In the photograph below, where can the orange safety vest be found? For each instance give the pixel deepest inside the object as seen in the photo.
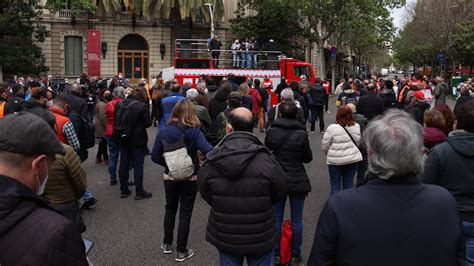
(2, 109)
(61, 120)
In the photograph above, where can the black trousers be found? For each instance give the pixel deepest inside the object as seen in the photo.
(102, 150)
(183, 193)
(326, 103)
(317, 112)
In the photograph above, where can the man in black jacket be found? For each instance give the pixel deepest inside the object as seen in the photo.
(16, 102)
(288, 140)
(241, 180)
(135, 146)
(393, 219)
(31, 231)
(451, 165)
(318, 97)
(370, 105)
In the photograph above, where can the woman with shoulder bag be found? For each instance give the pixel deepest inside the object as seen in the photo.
(66, 185)
(340, 145)
(176, 149)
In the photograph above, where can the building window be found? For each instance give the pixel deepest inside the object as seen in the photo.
(73, 55)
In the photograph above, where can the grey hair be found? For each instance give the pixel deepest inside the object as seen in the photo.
(395, 145)
(287, 95)
(192, 94)
(201, 86)
(118, 92)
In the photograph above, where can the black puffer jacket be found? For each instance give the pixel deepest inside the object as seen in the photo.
(34, 107)
(417, 111)
(241, 180)
(288, 140)
(317, 94)
(32, 232)
(451, 165)
(140, 114)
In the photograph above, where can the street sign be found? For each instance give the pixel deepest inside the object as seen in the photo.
(333, 53)
(440, 57)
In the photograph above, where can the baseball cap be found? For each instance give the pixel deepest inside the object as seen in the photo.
(419, 95)
(28, 134)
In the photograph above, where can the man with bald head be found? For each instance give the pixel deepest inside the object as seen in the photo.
(241, 180)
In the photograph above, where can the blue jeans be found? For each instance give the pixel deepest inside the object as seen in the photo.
(113, 158)
(296, 207)
(249, 60)
(227, 259)
(235, 60)
(342, 174)
(468, 228)
(255, 60)
(137, 157)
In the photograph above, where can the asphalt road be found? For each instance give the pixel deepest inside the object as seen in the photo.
(129, 232)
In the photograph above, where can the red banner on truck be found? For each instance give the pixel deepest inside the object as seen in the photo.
(93, 53)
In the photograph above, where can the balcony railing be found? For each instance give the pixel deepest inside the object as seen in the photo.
(124, 16)
(67, 14)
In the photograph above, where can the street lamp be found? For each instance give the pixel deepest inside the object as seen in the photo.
(211, 12)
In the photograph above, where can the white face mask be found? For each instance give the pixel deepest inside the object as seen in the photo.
(49, 103)
(42, 186)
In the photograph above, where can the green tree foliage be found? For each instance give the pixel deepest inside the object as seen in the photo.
(436, 26)
(463, 43)
(20, 31)
(269, 19)
(74, 5)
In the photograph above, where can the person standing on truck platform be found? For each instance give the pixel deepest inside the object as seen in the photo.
(215, 47)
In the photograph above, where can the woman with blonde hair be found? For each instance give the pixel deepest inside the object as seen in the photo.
(181, 134)
(246, 98)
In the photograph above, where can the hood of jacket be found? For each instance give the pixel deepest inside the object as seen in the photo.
(233, 154)
(462, 141)
(287, 123)
(317, 88)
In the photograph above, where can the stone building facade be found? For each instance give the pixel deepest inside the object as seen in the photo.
(138, 47)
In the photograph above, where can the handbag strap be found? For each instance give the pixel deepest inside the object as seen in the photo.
(350, 136)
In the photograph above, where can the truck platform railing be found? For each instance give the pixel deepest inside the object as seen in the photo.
(227, 58)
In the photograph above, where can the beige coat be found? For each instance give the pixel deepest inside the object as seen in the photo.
(100, 120)
(338, 146)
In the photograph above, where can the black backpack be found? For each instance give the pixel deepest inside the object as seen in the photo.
(351, 98)
(123, 122)
(87, 138)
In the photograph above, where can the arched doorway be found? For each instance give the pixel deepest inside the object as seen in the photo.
(133, 57)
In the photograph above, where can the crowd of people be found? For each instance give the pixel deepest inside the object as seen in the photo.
(393, 136)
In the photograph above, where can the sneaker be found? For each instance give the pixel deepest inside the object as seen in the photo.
(143, 195)
(312, 131)
(89, 204)
(125, 194)
(182, 256)
(296, 261)
(113, 182)
(322, 132)
(277, 261)
(328, 112)
(166, 248)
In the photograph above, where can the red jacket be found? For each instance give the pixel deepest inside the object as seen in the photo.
(256, 100)
(110, 112)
